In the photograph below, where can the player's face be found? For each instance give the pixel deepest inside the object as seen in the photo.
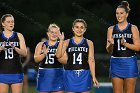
(8, 24)
(53, 33)
(79, 29)
(121, 15)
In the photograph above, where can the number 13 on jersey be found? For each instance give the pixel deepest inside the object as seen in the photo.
(119, 45)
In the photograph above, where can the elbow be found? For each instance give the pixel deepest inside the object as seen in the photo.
(58, 56)
(108, 51)
(64, 61)
(137, 48)
(24, 54)
(36, 59)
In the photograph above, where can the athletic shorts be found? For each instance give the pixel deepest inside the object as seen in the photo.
(49, 80)
(11, 78)
(124, 67)
(77, 80)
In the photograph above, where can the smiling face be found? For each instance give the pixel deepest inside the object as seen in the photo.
(53, 33)
(8, 23)
(121, 15)
(79, 29)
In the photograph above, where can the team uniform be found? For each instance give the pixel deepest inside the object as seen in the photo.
(50, 73)
(77, 76)
(123, 62)
(10, 61)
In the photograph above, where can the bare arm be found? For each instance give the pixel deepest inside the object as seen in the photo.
(61, 48)
(40, 53)
(63, 59)
(2, 47)
(91, 62)
(22, 50)
(110, 40)
(27, 57)
(136, 40)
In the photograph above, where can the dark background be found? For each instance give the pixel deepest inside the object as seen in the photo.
(32, 18)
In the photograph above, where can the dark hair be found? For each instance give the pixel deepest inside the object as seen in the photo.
(125, 5)
(3, 19)
(80, 20)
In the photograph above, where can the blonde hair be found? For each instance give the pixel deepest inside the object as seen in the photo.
(53, 26)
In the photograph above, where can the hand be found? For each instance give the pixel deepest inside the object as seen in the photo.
(111, 41)
(61, 36)
(123, 41)
(2, 47)
(11, 44)
(96, 83)
(44, 49)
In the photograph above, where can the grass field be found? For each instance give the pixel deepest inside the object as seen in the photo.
(32, 89)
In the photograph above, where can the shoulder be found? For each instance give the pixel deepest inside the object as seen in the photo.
(110, 28)
(40, 44)
(134, 27)
(19, 35)
(67, 41)
(90, 43)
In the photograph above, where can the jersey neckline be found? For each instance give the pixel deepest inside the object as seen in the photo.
(122, 29)
(78, 43)
(7, 38)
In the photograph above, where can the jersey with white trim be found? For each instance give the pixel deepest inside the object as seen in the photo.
(120, 50)
(10, 60)
(51, 60)
(77, 55)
